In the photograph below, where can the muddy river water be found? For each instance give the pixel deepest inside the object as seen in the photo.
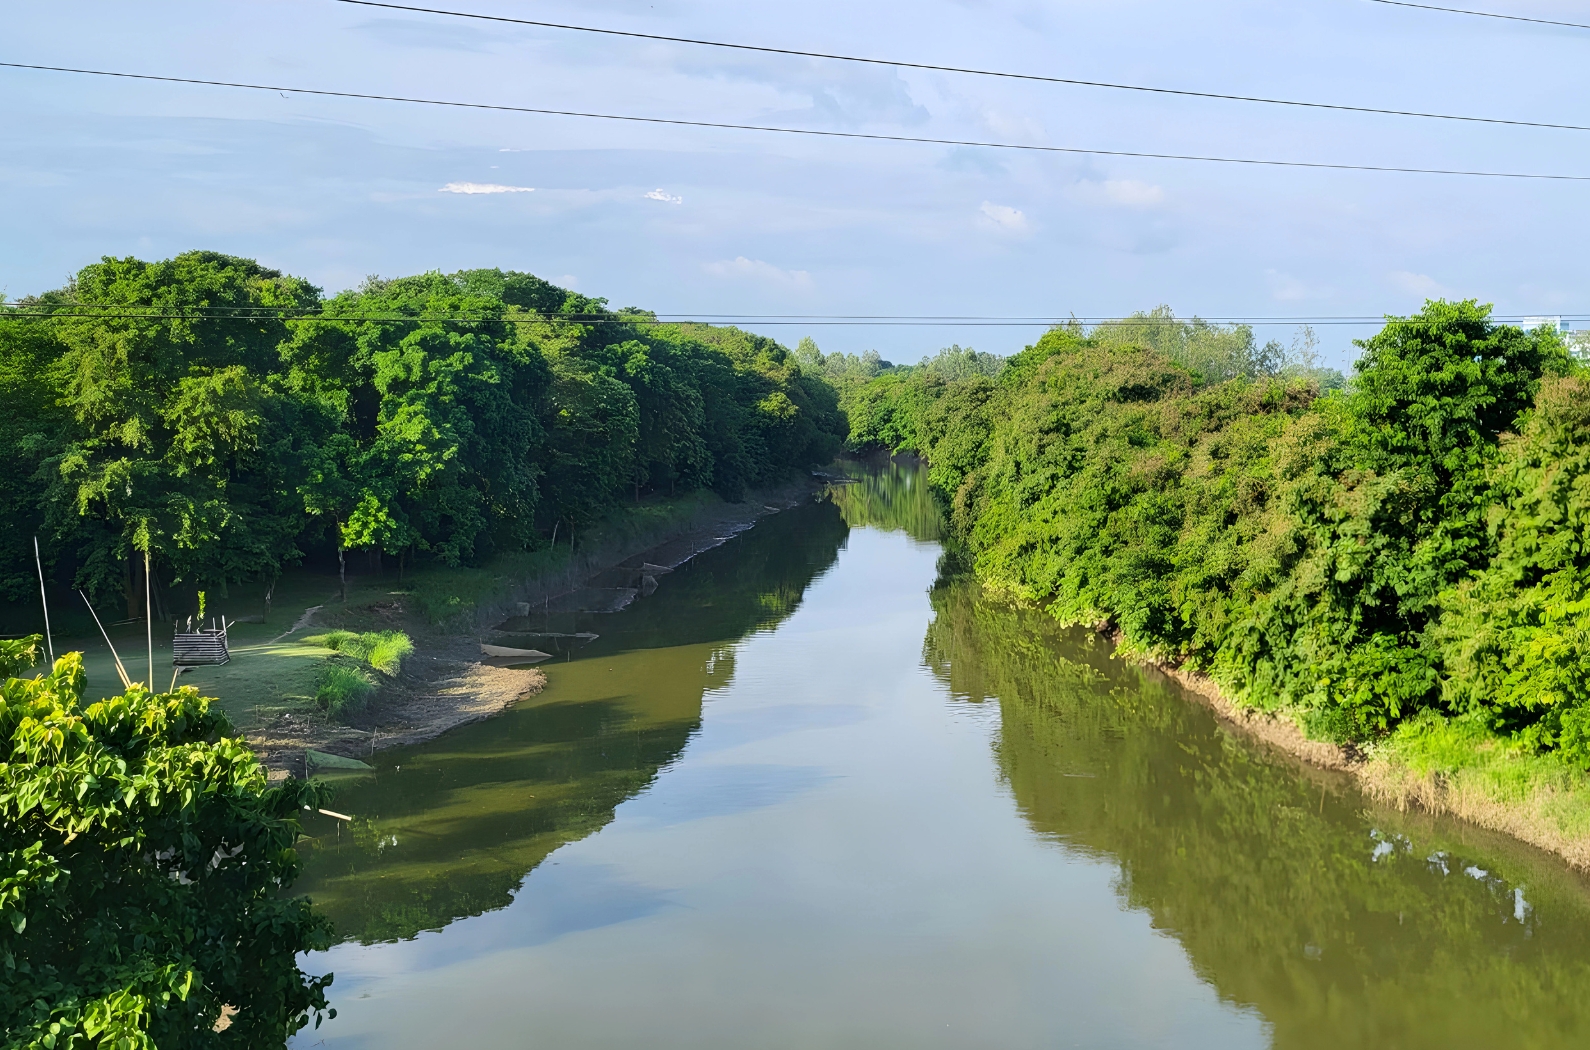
(805, 794)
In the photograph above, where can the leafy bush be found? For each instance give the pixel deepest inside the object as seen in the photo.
(382, 650)
(343, 690)
(144, 860)
(17, 655)
(1355, 558)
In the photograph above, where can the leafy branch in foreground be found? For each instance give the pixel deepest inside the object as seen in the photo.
(142, 863)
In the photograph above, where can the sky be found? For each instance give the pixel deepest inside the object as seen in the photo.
(707, 221)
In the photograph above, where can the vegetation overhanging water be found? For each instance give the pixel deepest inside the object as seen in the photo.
(751, 815)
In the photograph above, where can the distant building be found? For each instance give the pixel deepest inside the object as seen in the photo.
(1556, 324)
(1578, 341)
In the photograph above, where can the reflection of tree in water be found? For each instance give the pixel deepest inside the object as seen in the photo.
(450, 829)
(890, 494)
(753, 582)
(1344, 927)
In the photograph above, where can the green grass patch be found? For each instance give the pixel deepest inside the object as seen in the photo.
(1468, 756)
(343, 690)
(382, 650)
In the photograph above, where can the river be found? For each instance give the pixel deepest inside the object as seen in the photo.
(808, 795)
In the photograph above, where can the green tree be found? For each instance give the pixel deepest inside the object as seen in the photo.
(144, 861)
(180, 443)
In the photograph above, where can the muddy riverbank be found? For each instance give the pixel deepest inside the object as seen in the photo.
(448, 682)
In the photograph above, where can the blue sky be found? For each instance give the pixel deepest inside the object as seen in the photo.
(697, 220)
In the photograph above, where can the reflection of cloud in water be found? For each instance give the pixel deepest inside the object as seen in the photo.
(696, 792)
(731, 729)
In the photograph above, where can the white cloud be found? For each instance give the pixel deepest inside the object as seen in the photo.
(1004, 217)
(483, 187)
(1422, 285)
(568, 280)
(1133, 194)
(1010, 126)
(756, 269)
(1286, 288)
(664, 196)
(1122, 193)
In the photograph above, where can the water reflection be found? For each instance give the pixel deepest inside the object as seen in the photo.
(1345, 925)
(994, 835)
(451, 828)
(889, 494)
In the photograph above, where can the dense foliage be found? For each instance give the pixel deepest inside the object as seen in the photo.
(1416, 542)
(142, 859)
(228, 418)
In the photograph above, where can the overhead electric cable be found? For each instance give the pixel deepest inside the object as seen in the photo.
(978, 72)
(809, 132)
(79, 313)
(1482, 14)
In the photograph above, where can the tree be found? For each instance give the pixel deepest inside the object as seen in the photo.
(179, 440)
(143, 861)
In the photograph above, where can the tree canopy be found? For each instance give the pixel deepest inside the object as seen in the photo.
(1409, 543)
(227, 418)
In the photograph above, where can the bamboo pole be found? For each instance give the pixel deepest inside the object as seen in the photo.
(49, 639)
(149, 624)
(126, 682)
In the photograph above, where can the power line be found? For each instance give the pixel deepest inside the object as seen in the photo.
(979, 72)
(867, 136)
(79, 313)
(1457, 11)
(93, 309)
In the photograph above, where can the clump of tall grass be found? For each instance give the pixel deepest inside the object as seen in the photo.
(343, 690)
(382, 650)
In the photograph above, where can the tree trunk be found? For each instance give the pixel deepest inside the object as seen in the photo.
(342, 570)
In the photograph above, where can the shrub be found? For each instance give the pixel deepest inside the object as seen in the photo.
(145, 862)
(382, 650)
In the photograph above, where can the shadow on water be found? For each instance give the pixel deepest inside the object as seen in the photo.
(1343, 923)
(451, 828)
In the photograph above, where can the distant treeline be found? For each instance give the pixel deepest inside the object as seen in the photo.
(229, 418)
(1414, 544)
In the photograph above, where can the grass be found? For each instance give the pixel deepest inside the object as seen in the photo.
(1459, 766)
(382, 650)
(273, 673)
(343, 690)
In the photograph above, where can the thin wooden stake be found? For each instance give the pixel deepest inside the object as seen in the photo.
(126, 683)
(49, 639)
(149, 623)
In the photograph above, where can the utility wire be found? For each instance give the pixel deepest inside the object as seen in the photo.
(1462, 11)
(292, 312)
(36, 309)
(974, 72)
(868, 136)
(901, 320)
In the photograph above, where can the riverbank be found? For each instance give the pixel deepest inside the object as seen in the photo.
(1435, 766)
(446, 683)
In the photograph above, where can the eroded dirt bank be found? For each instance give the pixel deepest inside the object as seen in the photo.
(447, 682)
(1530, 819)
